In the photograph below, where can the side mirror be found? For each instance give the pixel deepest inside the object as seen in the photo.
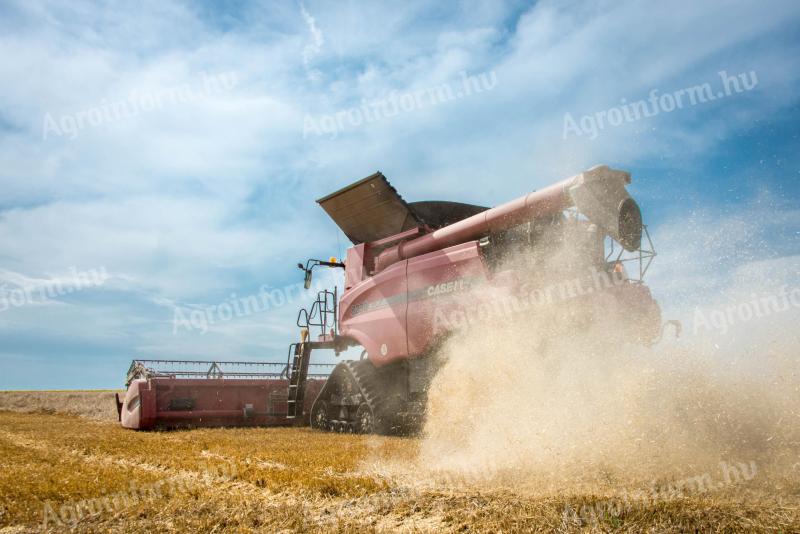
(307, 280)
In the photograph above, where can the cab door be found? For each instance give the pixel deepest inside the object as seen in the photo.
(373, 312)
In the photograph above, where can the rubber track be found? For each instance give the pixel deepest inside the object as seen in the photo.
(363, 375)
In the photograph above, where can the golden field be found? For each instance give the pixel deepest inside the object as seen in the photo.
(64, 472)
(92, 404)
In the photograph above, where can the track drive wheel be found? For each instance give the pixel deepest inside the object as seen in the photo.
(365, 420)
(319, 416)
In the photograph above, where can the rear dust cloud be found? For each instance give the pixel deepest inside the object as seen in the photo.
(542, 399)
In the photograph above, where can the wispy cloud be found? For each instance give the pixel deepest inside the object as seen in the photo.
(313, 48)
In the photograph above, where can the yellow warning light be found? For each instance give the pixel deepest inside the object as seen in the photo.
(333, 259)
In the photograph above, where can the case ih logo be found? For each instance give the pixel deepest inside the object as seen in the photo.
(453, 286)
(435, 291)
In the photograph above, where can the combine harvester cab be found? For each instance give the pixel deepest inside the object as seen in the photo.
(163, 394)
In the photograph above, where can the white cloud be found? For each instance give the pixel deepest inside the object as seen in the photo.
(313, 48)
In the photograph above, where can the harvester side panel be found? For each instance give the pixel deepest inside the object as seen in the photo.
(437, 284)
(373, 313)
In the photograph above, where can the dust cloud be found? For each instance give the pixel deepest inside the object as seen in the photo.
(546, 398)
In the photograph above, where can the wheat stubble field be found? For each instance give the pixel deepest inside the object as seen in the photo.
(68, 472)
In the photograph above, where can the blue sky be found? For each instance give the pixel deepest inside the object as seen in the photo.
(201, 198)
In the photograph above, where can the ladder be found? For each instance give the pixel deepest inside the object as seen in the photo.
(300, 354)
(322, 315)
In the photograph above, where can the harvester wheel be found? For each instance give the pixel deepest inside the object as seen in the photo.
(319, 416)
(365, 420)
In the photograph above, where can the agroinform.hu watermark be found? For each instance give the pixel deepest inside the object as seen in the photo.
(395, 103)
(202, 317)
(50, 290)
(590, 125)
(757, 307)
(137, 102)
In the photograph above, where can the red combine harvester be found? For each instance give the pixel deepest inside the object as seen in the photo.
(180, 393)
(410, 265)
